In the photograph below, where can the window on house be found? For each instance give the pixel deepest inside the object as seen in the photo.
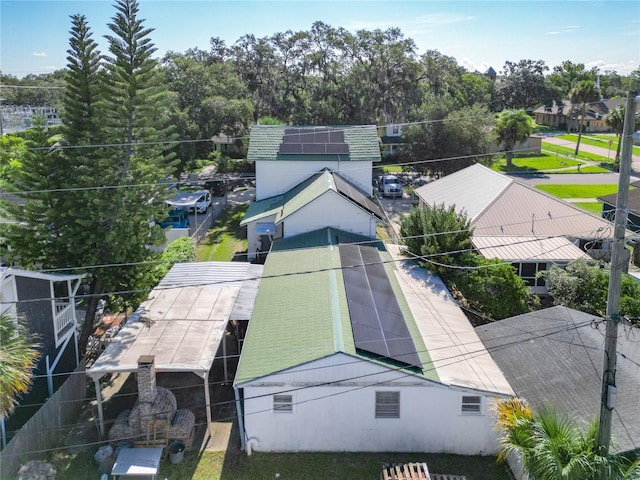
(387, 404)
(395, 129)
(528, 271)
(283, 403)
(471, 404)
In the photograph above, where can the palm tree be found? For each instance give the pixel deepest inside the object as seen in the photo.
(554, 447)
(586, 91)
(18, 357)
(615, 120)
(513, 126)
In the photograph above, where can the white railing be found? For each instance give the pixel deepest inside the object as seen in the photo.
(63, 317)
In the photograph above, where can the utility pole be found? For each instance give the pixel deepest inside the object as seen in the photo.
(618, 260)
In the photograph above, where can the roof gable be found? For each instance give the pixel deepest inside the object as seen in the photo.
(463, 190)
(498, 205)
(282, 206)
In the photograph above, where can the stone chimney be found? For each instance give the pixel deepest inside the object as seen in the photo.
(147, 390)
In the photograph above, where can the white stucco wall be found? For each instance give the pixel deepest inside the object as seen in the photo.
(341, 416)
(277, 177)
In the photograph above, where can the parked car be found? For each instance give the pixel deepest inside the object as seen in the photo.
(176, 219)
(391, 186)
(203, 202)
(218, 188)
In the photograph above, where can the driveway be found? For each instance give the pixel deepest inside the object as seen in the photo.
(394, 209)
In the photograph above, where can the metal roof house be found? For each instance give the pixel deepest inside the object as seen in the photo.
(324, 198)
(46, 302)
(554, 356)
(285, 156)
(503, 212)
(350, 348)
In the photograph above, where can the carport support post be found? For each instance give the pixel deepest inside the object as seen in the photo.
(96, 381)
(207, 402)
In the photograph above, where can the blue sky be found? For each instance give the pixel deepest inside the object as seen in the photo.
(34, 34)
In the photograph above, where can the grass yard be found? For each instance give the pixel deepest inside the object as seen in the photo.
(581, 155)
(309, 466)
(226, 238)
(591, 207)
(534, 163)
(578, 191)
(601, 141)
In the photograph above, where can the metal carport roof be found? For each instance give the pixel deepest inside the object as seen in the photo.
(182, 323)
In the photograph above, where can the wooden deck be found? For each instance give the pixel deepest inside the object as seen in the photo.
(414, 471)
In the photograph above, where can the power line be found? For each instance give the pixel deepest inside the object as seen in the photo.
(453, 359)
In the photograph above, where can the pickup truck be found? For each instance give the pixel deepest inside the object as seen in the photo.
(390, 186)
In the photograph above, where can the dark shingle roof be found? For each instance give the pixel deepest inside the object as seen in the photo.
(554, 356)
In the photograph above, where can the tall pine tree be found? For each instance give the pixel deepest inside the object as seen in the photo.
(136, 107)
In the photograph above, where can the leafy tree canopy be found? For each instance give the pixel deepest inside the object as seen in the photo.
(583, 285)
(441, 239)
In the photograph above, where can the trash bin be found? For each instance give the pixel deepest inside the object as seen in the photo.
(176, 451)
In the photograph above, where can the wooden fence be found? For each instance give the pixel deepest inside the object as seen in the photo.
(44, 430)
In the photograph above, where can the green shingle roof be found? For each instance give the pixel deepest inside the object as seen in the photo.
(301, 312)
(265, 140)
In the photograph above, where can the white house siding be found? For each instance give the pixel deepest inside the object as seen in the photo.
(341, 416)
(330, 210)
(277, 177)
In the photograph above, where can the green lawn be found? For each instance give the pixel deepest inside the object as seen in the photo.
(534, 163)
(591, 207)
(548, 147)
(578, 191)
(225, 238)
(308, 466)
(599, 140)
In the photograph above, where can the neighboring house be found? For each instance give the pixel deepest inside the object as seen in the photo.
(491, 74)
(285, 156)
(504, 208)
(352, 349)
(391, 139)
(226, 145)
(609, 203)
(529, 255)
(46, 302)
(323, 199)
(555, 357)
(567, 115)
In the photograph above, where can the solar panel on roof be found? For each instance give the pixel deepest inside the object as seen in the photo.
(313, 141)
(354, 193)
(376, 319)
